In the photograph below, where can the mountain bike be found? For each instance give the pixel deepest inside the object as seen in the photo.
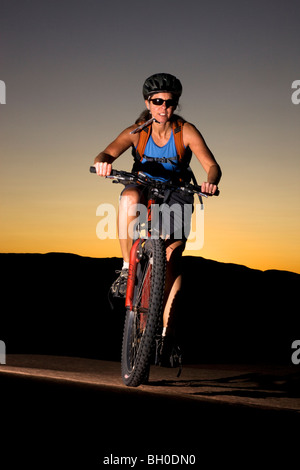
(146, 279)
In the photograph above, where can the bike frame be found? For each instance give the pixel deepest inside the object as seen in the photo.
(156, 191)
(133, 261)
(134, 257)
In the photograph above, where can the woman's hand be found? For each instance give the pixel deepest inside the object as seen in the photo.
(209, 188)
(103, 168)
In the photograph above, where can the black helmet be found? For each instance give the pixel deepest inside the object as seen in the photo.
(162, 82)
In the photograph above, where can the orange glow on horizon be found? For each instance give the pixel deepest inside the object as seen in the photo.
(230, 240)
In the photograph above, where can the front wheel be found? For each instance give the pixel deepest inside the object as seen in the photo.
(142, 321)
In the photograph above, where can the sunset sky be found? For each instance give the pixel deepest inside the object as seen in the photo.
(74, 71)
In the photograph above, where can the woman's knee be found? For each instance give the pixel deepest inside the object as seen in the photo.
(130, 197)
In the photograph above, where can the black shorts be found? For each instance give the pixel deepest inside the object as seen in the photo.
(171, 218)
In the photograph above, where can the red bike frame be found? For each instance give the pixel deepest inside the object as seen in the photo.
(134, 260)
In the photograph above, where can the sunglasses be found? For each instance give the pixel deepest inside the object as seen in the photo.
(160, 101)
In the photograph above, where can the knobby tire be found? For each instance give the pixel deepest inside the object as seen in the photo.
(142, 322)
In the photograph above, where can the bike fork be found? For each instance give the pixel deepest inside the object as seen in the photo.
(133, 261)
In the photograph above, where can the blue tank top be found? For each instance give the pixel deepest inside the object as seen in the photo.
(161, 171)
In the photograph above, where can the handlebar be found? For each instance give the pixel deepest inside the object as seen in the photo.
(124, 176)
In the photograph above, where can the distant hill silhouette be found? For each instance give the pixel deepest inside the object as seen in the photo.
(57, 303)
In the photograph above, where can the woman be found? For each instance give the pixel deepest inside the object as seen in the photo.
(160, 160)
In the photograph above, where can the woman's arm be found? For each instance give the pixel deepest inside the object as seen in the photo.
(103, 161)
(193, 139)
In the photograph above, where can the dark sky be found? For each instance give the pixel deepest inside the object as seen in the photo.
(74, 70)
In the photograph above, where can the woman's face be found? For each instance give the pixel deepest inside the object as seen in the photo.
(161, 112)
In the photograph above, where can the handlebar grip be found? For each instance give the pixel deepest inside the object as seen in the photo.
(112, 173)
(208, 194)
